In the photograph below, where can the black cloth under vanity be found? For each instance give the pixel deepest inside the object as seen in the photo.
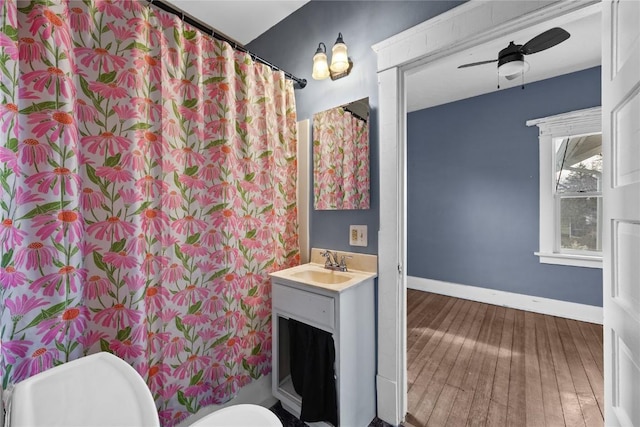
(312, 357)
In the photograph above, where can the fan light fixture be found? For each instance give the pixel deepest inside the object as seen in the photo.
(341, 64)
(513, 68)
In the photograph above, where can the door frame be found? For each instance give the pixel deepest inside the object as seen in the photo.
(458, 29)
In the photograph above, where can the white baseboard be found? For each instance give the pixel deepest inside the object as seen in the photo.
(257, 392)
(553, 307)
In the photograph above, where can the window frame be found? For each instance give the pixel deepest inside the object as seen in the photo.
(574, 123)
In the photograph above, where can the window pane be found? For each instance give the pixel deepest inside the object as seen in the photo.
(579, 223)
(578, 163)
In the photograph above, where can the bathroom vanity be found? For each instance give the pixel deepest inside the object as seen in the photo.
(341, 303)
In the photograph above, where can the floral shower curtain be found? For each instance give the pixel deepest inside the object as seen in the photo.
(340, 160)
(146, 188)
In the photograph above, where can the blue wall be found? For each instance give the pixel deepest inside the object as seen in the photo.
(473, 182)
(291, 45)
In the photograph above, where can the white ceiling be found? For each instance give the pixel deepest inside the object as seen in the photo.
(241, 20)
(441, 81)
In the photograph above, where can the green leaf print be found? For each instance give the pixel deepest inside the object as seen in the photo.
(46, 208)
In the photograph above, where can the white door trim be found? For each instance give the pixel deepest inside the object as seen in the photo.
(465, 26)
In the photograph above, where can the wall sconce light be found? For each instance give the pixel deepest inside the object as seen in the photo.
(341, 64)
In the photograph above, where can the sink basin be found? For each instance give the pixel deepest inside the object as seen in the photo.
(326, 277)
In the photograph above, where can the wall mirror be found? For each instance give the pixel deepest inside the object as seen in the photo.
(341, 157)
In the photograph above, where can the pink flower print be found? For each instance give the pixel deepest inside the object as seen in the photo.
(67, 326)
(170, 127)
(121, 33)
(35, 255)
(49, 80)
(210, 172)
(65, 224)
(156, 297)
(8, 115)
(192, 366)
(99, 57)
(154, 263)
(79, 20)
(108, 90)
(135, 282)
(168, 315)
(215, 372)
(172, 199)
(173, 273)
(151, 143)
(55, 180)
(157, 341)
(89, 338)
(148, 109)
(197, 389)
(137, 245)
(253, 338)
(11, 278)
(23, 304)
(223, 218)
(109, 8)
(188, 225)
(194, 250)
(129, 196)
(31, 152)
(30, 50)
(167, 240)
(171, 55)
(211, 238)
(52, 23)
(157, 379)
(209, 107)
(130, 78)
(90, 199)
(39, 361)
(60, 124)
(9, 46)
(252, 243)
(154, 221)
(192, 182)
(10, 159)
(184, 88)
(150, 65)
(96, 287)
(135, 160)
(114, 173)
(195, 319)
(118, 316)
(186, 156)
(174, 347)
(191, 114)
(224, 190)
(111, 229)
(126, 349)
(120, 259)
(190, 295)
(10, 349)
(10, 236)
(213, 304)
(84, 112)
(228, 351)
(126, 112)
(66, 280)
(105, 142)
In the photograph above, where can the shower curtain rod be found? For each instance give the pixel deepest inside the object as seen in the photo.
(207, 29)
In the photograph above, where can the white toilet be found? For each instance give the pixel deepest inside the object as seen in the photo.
(102, 390)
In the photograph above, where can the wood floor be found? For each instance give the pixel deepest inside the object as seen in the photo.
(483, 365)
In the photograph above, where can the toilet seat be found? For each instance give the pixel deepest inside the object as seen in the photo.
(244, 415)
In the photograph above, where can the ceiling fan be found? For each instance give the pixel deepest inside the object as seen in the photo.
(511, 61)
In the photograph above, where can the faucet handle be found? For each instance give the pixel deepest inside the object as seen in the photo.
(343, 261)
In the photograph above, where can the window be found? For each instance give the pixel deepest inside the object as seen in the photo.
(571, 188)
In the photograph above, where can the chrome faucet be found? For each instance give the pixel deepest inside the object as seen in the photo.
(331, 261)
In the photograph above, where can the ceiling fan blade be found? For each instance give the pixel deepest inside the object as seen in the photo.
(478, 63)
(545, 40)
(513, 76)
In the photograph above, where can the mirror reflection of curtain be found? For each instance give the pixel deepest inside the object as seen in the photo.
(147, 187)
(341, 160)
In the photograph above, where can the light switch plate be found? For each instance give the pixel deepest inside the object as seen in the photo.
(358, 235)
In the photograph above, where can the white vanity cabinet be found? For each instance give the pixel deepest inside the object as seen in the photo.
(345, 310)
